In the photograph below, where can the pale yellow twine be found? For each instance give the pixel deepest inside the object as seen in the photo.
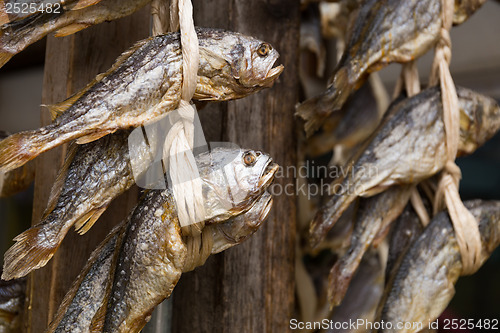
(464, 223)
(186, 182)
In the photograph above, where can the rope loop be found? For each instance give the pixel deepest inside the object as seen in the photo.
(464, 223)
(184, 175)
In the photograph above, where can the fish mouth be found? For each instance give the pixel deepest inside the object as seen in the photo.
(273, 73)
(268, 175)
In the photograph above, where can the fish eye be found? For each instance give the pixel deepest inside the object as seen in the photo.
(263, 49)
(249, 158)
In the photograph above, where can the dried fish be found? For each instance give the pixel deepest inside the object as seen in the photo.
(144, 84)
(384, 31)
(144, 258)
(12, 294)
(101, 171)
(375, 213)
(362, 298)
(16, 180)
(408, 146)
(24, 22)
(424, 284)
(407, 229)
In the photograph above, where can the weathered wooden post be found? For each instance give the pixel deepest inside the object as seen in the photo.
(71, 62)
(250, 288)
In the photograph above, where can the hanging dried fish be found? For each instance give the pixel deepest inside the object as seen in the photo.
(101, 171)
(140, 262)
(16, 180)
(424, 284)
(24, 22)
(408, 146)
(144, 84)
(384, 31)
(363, 296)
(374, 214)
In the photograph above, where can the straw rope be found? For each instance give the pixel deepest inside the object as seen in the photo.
(186, 183)
(465, 225)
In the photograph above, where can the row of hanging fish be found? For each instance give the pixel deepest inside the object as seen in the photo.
(138, 265)
(363, 250)
(144, 84)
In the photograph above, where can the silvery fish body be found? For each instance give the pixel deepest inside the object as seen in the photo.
(96, 173)
(24, 22)
(408, 146)
(424, 283)
(144, 84)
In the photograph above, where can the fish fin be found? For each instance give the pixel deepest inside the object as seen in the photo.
(338, 282)
(88, 220)
(4, 17)
(125, 55)
(71, 29)
(327, 216)
(316, 109)
(4, 56)
(55, 192)
(16, 150)
(59, 108)
(92, 137)
(374, 190)
(85, 3)
(28, 254)
(97, 323)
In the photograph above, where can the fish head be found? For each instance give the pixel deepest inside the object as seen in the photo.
(256, 67)
(233, 179)
(233, 66)
(237, 229)
(479, 119)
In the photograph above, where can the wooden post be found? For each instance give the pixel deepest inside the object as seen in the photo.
(250, 288)
(72, 62)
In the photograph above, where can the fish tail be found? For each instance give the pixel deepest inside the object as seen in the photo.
(4, 55)
(18, 149)
(327, 216)
(316, 109)
(32, 250)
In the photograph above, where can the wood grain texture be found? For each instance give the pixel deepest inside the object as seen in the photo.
(71, 62)
(250, 288)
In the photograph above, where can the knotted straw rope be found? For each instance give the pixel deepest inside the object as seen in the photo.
(465, 225)
(186, 182)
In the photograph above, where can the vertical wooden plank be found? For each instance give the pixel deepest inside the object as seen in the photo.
(250, 288)
(72, 62)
